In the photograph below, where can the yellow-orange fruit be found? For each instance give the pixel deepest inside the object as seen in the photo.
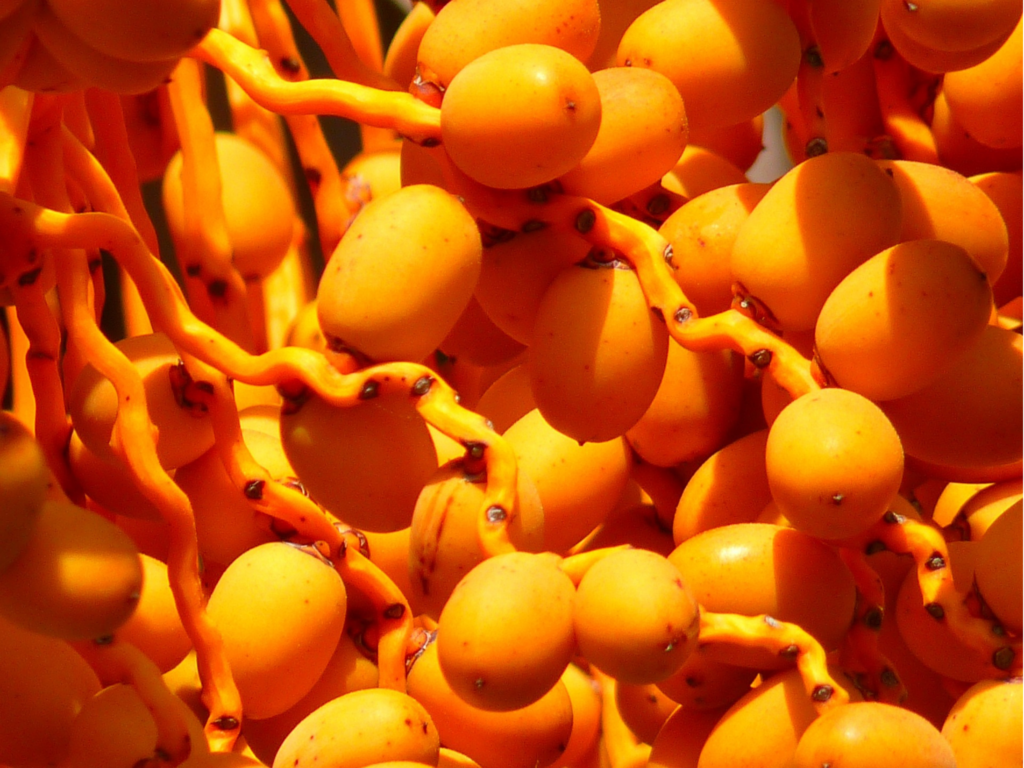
(985, 507)
(520, 116)
(730, 59)
(515, 273)
(1005, 190)
(362, 728)
(227, 524)
(139, 31)
(952, 25)
(999, 573)
(696, 405)
(970, 415)
(535, 735)
(23, 486)
(986, 98)
(616, 16)
(961, 152)
(941, 204)
(221, 760)
(259, 211)
(834, 463)
(424, 246)
(44, 684)
(508, 399)
(17, 17)
(635, 641)
(643, 132)
(699, 171)
(465, 31)
(374, 173)
(870, 734)
(183, 434)
(476, 338)
(108, 482)
(578, 485)
(762, 729)
(926, 694)
(984, 726)
(505, 636)
(598, 354)
(444, 542)
(703, 683)
(403, 50)
(950, 501)
(155, 627)
(348, 670)
(275, 664)
(41, 72)
(345, 458)
(585, 697)
(643, 708)
(740, 144)
(78, 578)
(813, 227)
(937, 60)
(931, 641)
(842, 31)
(731, 486)
(305, 329)
(679, 742)
(896, 323)
(636, 524)
(112, 73)
(754, 569)
(115, 729)
(702, 233)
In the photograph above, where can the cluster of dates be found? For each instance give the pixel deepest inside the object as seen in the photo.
(583, 450)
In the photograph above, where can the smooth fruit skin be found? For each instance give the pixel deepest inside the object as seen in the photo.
(643, 132)
(984, 726)
(985, 98)
(940, 204)
(345, 457)
(143, 30)
(537, 734)
(258, 208)
(23, 485)
(44, 684)
(505, 636)
(730, 486)
(464, 31)
(730, 59)
(422, 244)
(762, 729)
(520, 116)
(898, 321)
(816, 224)
(999, 573)
(361, 728)
(275, 663)
(598, 354)
(869, 734)
(754, 569)
(834, 463)
(578, 485)
(183, 434)
(635, 641)
(79, 577)
(970, 417)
